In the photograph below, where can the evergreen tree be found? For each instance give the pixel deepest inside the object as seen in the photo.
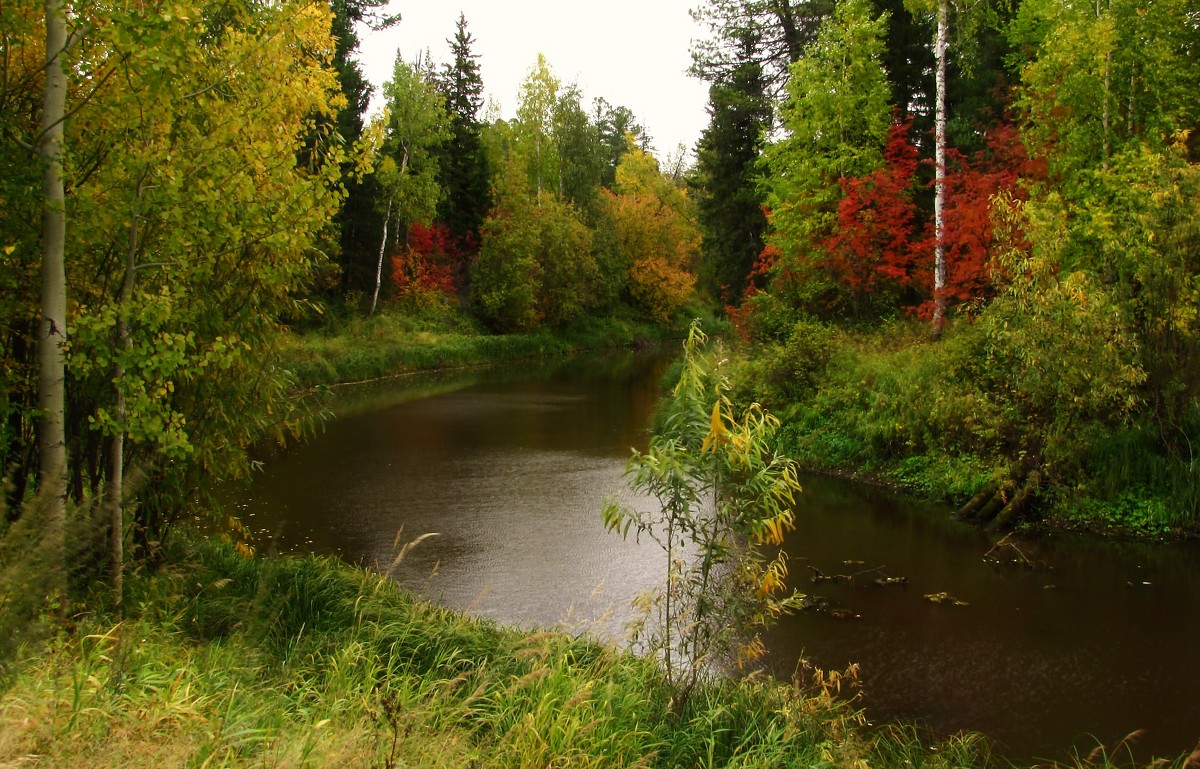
(730, 205)
(465, 170)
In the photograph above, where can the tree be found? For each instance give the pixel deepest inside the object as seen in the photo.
(577, 141)
(1099, 78)
(357, 220)
(723, 497)
(656, 235)
(416, 125)
(534, 132)
(536, 265)
(969, 19)
(52, 328)
(872, 252)
(464, 170)
(836, 118)
(730, 204)
(615, 126)
(779, 29)
(203, 170)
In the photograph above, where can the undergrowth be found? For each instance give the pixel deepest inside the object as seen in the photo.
(949, 419)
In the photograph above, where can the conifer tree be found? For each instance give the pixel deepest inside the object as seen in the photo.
(731, 204)
(464, 163)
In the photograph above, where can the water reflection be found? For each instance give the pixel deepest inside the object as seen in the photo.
(510, 471)
(1096, 641)
(511, 468)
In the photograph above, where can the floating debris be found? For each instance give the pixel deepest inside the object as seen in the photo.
(945, 598)
(821, 605)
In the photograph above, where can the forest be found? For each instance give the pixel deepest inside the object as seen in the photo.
(958, 239)
(954, 246)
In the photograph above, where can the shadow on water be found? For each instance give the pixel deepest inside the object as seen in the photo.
(510, 468)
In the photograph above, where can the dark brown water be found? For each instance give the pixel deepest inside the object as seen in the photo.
(510, 470)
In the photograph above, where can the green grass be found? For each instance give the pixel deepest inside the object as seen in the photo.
(939, 421)
(228, 661)
(397, 341)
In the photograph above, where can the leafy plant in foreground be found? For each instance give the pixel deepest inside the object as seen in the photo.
(723, 496)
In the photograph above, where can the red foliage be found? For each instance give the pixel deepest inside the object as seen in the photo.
(434, 260)
(758, 276)
(880, 243)
(875, 244)
(968, 233)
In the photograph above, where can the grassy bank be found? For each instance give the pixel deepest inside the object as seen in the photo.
(945, 421)
(223, 660)
(400, 340)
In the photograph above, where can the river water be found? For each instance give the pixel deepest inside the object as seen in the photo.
(1056, 643)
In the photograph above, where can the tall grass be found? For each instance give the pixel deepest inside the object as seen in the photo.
(292, 662)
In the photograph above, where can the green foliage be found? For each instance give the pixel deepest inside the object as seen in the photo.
(206, 191)
(534, 130)
(723, 497)
(1100, 78)
(535, 264)
(837, 117)
(415, 127)
(730, 204)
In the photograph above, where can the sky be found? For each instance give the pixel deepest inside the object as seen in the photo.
(632, 53)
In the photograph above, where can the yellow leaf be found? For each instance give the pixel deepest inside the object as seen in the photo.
(716, 430)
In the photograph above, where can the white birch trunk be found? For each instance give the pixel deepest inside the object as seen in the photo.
(52, 329)
(116, 480)
(379, 264)
(939, 184)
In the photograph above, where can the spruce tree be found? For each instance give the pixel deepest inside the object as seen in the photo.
(730, 205)
(465, 175)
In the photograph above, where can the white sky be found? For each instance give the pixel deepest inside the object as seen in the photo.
(633, 53)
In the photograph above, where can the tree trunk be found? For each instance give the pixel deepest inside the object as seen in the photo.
(939, 184)
(116, 480)
(52, 331)
(379, 264)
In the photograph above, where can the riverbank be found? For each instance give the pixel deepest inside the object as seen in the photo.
(941, 421)
(223, 660)
(398, 341)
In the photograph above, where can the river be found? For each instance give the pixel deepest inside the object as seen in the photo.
(1058, 642)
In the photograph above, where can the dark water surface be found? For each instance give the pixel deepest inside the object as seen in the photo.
(510, 470)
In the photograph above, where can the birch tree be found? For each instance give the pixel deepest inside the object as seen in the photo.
(535, 124)
(52, 329)
(416, 125)
(970, 16)
(202, 169)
